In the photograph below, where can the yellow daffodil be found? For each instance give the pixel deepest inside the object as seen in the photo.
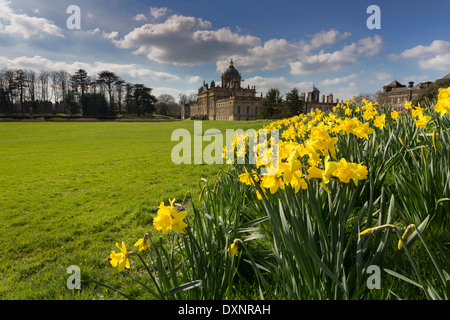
(120, 259)
(380, 121)
(246, 177)
(163, 222)
(169, 218)
(233, 249)
(142, 243)
(443, 103)
(273, 182)
(348, 112)
(178, 224)
(363, 130)
(421, 122)
(314, 172)
(394, 115)
(417, 111)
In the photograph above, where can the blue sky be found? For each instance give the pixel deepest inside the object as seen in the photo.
(173, 46)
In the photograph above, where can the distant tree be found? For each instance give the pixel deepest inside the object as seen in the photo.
(129, 98)
(63, 80)
(167, 105)
(21, 83)
(108, 80)
(96, 104)
(144, 100)
(80, 84)
(31, 86)
(430, 93)
(69, 103)
(43, 79)
(367, 96)
(184, 99)
(292, 106)
(120, 83)
(271, 103)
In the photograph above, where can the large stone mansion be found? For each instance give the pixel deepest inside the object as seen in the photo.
(230, 101)
(396, 94)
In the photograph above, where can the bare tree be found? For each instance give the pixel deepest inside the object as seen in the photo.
(31, 86)
(21, 80)
(109, 79)
(120, 83)
(43, 79)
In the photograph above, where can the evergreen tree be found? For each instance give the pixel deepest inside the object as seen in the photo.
(271, 104)
(293, 105)
(80, 83)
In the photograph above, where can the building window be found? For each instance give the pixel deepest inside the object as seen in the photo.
(239, 110)
(248, 110)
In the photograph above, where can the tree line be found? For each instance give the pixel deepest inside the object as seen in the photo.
(26, 92)
(273, 105)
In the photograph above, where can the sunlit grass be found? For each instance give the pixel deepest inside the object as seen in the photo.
(70, 190)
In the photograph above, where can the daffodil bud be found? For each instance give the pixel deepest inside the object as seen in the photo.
(405, 236)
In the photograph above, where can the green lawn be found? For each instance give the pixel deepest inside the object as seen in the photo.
(70, 191)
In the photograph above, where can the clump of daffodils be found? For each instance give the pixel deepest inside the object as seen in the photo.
(168, 218)
(307, 150)
(443, 104)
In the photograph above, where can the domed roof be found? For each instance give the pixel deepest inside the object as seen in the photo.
(314, 89)
(231, 71)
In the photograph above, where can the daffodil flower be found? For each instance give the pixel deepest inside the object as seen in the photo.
(120, 259)
(142, 243)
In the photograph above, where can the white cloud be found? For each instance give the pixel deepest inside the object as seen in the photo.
(434, 56)
(272, 55)
(25, 25)
(111, 35)
(194, 79)
(437, 47)
(134, 71)
(440, 62)
(326, 37)
(337, 59)
(140, 17)
(158, 12)
(184, 40)
(276, 53)
(157, 91)
(337, 81)
(94, 31)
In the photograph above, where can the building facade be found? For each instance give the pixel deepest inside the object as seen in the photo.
(314, 101)
(228, 101)
(396, 94)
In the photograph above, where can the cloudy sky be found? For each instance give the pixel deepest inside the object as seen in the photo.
(172, 46)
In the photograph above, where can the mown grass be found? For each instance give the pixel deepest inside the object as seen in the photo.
(70, 191)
